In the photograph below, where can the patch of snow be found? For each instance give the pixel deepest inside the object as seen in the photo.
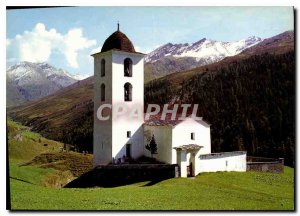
(204, 49)
(81, 76)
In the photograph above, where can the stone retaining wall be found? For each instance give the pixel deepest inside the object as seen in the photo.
(222, 154)
(265, 164)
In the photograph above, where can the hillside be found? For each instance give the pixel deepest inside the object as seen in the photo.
(24, 145)
(169, 65)
(40, 161)
(281, 43)
(64, 116)
(73, 107)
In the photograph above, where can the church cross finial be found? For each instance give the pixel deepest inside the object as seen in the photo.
(118, 26)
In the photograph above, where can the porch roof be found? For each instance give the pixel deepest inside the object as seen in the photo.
(188, 147)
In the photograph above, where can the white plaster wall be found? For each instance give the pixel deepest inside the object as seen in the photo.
(197, 163)
(163, 137)
(181, 135)
(120, 139)
(234, 163)
(102, 129)
(121, 125)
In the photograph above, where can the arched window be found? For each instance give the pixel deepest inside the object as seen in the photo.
(128, 67)
(128, 92)
(102, 92)
(102, 67)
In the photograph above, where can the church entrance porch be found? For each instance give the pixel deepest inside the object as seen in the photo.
(186, 155)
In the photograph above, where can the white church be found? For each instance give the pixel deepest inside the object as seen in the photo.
(119, 78)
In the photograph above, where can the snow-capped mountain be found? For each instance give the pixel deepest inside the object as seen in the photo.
(205, 50)
(28, 81)
(26, 72)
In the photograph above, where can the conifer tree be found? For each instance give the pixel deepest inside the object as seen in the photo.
(152, 146)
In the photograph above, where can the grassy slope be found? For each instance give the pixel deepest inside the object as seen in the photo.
(211, 191)
(59, 170)
(20, 151)
(31, 145)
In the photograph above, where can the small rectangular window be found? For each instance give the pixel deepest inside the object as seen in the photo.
(102, 68)
(128, 150)
(128, 134)
(192, 136)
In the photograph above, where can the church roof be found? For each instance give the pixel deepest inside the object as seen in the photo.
(118, 41)
(157, 121)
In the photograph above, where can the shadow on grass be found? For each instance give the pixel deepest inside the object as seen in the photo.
(118, 176)
(20, 180)
(152, 182)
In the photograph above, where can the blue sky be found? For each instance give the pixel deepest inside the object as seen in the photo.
(65, 37)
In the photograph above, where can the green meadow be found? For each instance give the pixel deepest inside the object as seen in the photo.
(38, 187)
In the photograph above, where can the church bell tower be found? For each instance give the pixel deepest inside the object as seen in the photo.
(119, 80)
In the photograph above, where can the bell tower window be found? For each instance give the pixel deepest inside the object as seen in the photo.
(128, 92)
(128, 67)
(102, 92)
(102, 68)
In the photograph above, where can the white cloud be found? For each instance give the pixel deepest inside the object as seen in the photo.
(38, 45)
(73, 42)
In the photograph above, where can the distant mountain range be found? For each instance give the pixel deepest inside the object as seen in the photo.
(28, 81)
(171, 58)
(204, 50)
